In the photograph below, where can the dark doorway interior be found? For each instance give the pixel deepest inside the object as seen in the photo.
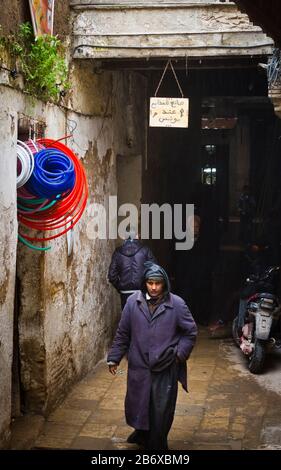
(207, 165)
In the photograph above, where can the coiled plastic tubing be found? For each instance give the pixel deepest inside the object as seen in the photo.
(25, 163)
(53, 174)
(55, 196)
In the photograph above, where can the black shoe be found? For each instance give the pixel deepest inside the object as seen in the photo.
(137, 437)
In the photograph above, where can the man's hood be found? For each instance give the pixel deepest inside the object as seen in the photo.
(153, 269)
(130, 247)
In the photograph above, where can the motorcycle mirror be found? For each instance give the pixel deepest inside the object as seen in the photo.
(273, 268)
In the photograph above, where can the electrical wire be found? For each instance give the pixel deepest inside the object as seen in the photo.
(169, 47)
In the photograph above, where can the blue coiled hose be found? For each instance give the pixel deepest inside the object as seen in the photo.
(53, 174)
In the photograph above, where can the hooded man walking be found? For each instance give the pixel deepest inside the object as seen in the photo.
(127, 264)
(158, 332)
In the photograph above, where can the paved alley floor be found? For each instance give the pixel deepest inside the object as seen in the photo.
(227, 407)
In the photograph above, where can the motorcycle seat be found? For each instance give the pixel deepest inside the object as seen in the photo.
(266, 295)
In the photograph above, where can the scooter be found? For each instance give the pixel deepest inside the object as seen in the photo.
(258, 325)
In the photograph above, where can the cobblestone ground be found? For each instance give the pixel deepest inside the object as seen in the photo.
(227, 407)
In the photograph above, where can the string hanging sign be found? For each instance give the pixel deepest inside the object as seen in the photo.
(168, 112)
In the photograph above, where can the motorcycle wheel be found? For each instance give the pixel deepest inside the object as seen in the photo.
(256, 360)
(235, 335)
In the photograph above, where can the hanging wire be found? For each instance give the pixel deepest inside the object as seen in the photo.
(273, 68)
(71, 125)
(186, 69)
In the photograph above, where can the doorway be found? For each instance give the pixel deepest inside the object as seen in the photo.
(205, 164)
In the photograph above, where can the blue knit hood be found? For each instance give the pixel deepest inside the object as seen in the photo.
(154, 271)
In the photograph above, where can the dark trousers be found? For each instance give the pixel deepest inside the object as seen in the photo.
(163, 397)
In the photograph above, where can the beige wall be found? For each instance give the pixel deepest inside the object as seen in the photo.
(67, 310)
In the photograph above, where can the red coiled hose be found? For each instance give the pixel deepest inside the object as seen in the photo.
(68, 209)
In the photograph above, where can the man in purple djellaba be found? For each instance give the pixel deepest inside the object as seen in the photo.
(157, 332)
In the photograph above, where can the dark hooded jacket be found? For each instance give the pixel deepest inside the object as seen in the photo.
(150, 341)
(127, 265)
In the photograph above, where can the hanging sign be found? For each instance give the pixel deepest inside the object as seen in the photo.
(168, 112)
(42, 14)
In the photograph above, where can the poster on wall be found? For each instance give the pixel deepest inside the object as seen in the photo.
(42, 15)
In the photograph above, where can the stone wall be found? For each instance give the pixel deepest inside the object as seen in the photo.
(14, 13)
(8, 243)
(18, 11)
(67, 311)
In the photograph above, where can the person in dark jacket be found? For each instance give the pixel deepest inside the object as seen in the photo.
(158, 333)
(127, 266)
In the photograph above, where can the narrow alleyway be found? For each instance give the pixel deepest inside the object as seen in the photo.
(58, 312)
(227, 407)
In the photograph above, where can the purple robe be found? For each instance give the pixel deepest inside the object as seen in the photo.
(148, 340)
